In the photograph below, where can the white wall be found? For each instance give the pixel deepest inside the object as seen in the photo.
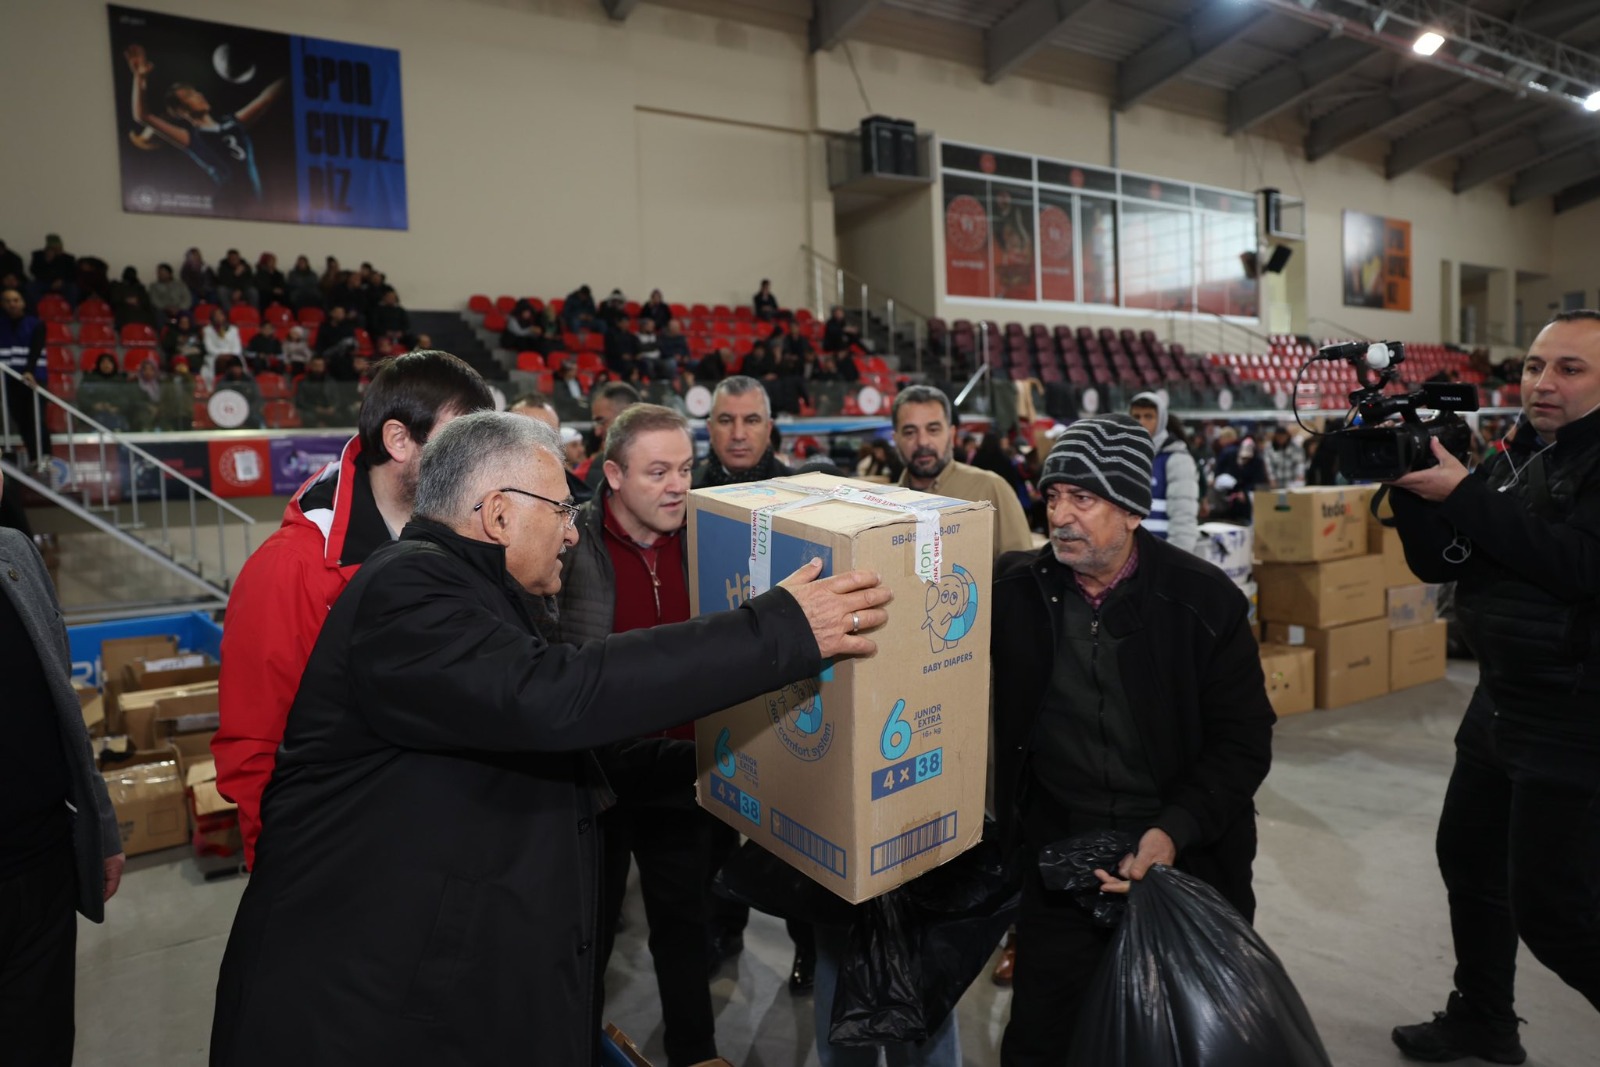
(547, 146)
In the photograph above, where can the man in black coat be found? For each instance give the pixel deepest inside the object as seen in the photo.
(425, 881)
(1519, 836)
(1128, 696)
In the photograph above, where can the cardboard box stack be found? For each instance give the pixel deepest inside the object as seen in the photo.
(155, 722)
(1321, 590)
(873, 772)
(1416, 633)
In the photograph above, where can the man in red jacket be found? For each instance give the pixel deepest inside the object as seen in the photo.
(337, 519)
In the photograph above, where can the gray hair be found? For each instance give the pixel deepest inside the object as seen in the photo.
(475, 455)
(741, 385)
(921, 394)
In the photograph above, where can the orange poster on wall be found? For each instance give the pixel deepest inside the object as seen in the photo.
(1377, 262)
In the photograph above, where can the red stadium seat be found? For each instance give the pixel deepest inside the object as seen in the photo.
(139, 334)
(547, 383)
(363, 342)
(479, 304)
(585, 380)
(57, 333)
(494, 322)
(279, 316)
(244, 315)
(202, 313)
(504, 304)
(91, 356)
(310, 317)
(530, 361)
(590, 362)
(248, 333)
(280, 415)
(96, 333)
(54, 308)
(57, 358)
(631, 309)
(272, 386)
(134, 356)
(201, 416)
(94, 310)
(556, 360)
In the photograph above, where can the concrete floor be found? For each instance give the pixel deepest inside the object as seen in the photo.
(1350, 899)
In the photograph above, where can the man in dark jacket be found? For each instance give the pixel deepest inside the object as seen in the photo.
(1519, 841)
(424, 889)
(741, 436)
(59, 846)
(22, 349)
(1128, 696)
(630, 571)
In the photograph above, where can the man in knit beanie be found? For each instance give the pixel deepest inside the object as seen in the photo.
(1128, 697)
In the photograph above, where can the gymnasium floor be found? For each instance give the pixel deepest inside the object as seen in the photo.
(1350, 899)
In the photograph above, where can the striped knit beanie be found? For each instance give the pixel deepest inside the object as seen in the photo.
(1109, 455)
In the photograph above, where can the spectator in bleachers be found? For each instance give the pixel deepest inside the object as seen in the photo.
(741, 428)
(331, 273)
(764, 302)
(168, 295)
(524, 332)
(12, 279)
(788, 387)
(301, 285)
(389, 318)
(674, 345)
(270, 285)
(235, 378)
(130, 301)
(103, 393)
(22, 349)
(537, 407)
(613, 314)
(622, 351)
(10, 262)
(94, 278)
(839, 333)
(220, 339)
(347, 294)
(235, 281)
(145, 399)
(296, 352)
(761, 363)
(713, 366)
(53, 270)
(1174, 480)
(182, 338)
(265, 350)
(578, 310)
(1240, 472)
(656, 366)
(318, 398)
(336, 334)
(796, 344)
(656, 310)
(377, 288)
(1286, 459)
(201, 279)
(605, 404)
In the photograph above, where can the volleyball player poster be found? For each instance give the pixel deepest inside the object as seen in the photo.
(228, 122)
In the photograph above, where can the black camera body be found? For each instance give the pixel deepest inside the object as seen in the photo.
(1393, 439)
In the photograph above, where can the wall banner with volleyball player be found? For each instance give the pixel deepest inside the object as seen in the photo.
(227, 122)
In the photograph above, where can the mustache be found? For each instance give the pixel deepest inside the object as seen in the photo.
(1061, 533)
(926, 453)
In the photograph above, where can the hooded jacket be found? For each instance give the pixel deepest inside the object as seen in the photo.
(426, 887)
(275, 612)
(1520, 537)
(1175, 485)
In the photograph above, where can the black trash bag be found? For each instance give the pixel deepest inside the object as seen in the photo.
(915, 950)
(1068, 866)
(756, 878)
(1188, 983)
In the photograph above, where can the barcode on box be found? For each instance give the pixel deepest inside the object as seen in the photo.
(813, 846)
(913, 842)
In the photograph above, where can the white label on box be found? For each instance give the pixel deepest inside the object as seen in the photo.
(1297, 635)
(929, 547)
(175, 663)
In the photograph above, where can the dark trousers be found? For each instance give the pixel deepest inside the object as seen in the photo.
(38, 946)
(729, 917)
(1058, 952)
(1519, 848)
(24, 425)
(671, 842)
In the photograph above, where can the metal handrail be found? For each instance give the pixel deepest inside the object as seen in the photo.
(857, 278)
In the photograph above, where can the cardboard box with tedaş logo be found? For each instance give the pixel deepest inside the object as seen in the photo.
(1311, 525)
(873, 772)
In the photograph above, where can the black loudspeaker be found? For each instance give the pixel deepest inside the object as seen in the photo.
(1279, 259)
(905, 147)
(878, 149)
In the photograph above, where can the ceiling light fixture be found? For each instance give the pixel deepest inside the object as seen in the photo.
(1592, 102)
(1427, 43)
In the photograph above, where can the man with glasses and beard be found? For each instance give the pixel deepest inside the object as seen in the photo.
(340, 516)
(925, 434)
(1128, 696)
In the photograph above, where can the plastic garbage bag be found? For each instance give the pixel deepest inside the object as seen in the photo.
(1188, 983)
(915, 950)
(756, 878)
(1068, 866)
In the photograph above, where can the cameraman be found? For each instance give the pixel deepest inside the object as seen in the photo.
(1519, 836)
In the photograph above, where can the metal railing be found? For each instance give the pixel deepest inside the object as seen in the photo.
(894, 327)
(118, 487)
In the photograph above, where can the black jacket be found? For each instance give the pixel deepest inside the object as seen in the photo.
(1528, 594)
(1192, 674)
(711, 471)
(425, 882)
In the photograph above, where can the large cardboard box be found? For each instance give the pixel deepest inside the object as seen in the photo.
(1417, 654)
(92, 705)
(1291, 678)
(873, 772)
(141, 708)
(1322, 594)
(148, 795)
(168, 672)
(1311, 525)
(1412, 605)
(1384, 541)
(1352, 661)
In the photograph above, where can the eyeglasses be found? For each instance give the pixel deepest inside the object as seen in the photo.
(569, 512)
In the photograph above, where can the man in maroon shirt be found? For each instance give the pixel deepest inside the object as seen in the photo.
(629, 571)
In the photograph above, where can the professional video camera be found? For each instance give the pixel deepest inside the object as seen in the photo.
(1379, 447)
